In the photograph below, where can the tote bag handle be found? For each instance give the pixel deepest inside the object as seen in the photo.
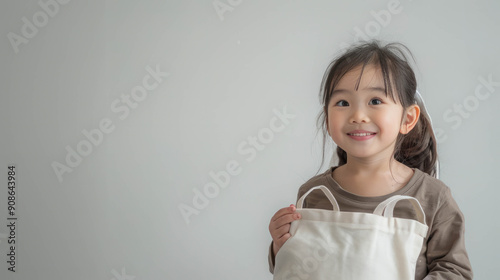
(386, 207)
(326, 191)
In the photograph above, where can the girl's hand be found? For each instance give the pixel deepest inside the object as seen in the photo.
(279, 226)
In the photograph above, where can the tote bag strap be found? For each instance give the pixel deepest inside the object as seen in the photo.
(386, 207)
(326, 191)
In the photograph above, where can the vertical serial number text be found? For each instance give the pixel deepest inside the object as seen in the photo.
(11, 217)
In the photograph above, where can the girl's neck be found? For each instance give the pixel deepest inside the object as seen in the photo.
(372, 178)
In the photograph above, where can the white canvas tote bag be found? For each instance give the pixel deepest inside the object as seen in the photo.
(326, 244)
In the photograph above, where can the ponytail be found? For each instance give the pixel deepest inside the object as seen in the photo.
(418, 148)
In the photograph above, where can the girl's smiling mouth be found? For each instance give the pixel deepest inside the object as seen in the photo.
(361, 135)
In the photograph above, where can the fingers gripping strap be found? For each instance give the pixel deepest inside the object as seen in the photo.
(326, 191)
(387, 207)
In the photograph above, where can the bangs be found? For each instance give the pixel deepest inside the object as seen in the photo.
(381, 63)
(389, 59)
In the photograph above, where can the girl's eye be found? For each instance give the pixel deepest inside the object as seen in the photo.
(342, 103)
(375, 101)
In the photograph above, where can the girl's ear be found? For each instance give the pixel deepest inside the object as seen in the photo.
(411, 116)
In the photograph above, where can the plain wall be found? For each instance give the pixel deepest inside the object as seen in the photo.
(114, 211)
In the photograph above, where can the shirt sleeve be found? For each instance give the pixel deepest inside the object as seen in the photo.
(446, 254)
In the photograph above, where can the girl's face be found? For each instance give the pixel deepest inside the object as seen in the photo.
(364, 123)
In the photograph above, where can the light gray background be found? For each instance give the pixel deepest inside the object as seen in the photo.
(116, 215)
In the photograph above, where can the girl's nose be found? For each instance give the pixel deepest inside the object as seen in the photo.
(358, 116)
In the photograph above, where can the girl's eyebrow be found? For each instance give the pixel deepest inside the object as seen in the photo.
(340, 90)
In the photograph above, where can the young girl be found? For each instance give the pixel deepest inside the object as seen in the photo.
(386, 147)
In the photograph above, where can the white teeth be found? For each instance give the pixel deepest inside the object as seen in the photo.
(361, 134)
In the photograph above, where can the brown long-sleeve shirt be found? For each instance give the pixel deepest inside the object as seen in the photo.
(443, 254)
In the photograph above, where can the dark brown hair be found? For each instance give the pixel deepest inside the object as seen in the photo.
(417, 149)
